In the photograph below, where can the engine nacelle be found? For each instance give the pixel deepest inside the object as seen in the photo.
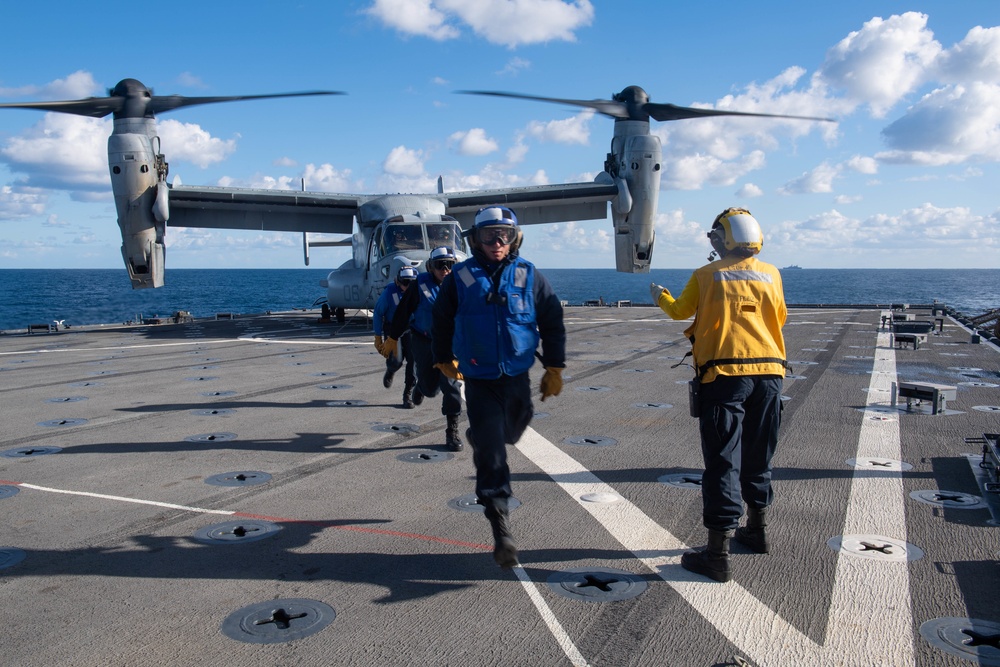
(134, 177)
(635, 161)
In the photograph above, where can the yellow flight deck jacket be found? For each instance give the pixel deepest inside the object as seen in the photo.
(739, 309)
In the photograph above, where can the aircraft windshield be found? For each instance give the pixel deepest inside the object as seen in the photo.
(403, 237)
(445, 233)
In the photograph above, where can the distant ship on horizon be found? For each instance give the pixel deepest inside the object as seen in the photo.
(791, 266)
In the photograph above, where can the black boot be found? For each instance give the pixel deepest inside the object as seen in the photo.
(452, 438)
(504, 550)
(387, 378)
(753, 535)
(408, 397)
(713, 560)
(418, 398)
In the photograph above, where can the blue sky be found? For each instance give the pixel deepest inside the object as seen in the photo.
(907, 177)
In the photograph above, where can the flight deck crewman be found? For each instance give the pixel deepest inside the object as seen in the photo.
(414, 313)
(739, 357)
(488, 318)
(385, 308)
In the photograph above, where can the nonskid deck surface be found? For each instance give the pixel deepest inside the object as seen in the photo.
(246, 492)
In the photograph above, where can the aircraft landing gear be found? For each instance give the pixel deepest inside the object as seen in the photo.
(341, 316)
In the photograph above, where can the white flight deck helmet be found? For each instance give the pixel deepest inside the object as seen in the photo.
(441, 254)
(492, 216)
(406, 275)
(736, 229)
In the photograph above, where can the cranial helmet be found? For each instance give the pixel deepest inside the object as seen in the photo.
(407, 273)
(495, 215)
(443, 254)
(736, 229)
(491, 216)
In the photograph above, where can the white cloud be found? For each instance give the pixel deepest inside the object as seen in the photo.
(721, 150)
(975, 58)
(948, 126)
(691, 172)
(749, 191)
(403, 161)
(414, 17)
(62, 151)
(913, 229)
(20, 202)
(473, 142)
(862, 165)
(323, 178)
(285, 162)
(186, 141)
(507, 22)
(572, 237)
(77, 85)
(884, 61)
(575, 130)
(514, 66)
(819, 179)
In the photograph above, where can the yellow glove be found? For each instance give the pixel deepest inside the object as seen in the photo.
(450, 370)
(378, 344)
(389, 347)
(551, 382)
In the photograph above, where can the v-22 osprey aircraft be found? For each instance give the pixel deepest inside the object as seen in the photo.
(387, 231)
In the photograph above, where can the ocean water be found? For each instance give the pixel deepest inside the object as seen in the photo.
(102, 296)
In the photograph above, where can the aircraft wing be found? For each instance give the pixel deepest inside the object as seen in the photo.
(536, 204)
(271, 210)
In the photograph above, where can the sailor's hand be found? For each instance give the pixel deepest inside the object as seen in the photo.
(378, 344)
(551, 382)
(389, 347)
(450, 370)
(656, 291)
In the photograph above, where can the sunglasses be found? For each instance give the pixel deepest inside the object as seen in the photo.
(491, 235)
(442, 265)
(405, 281)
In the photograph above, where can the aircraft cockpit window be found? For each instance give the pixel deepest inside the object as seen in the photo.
(447, 234)
(403, 237)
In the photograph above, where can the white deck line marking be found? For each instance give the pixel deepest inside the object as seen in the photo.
(861, 585)
(127, 500)
(561, 636)
(864, 586)
(116, 347)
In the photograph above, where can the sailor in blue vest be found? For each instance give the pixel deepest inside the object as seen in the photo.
(489, 316)
(414, 313)
(385, 308)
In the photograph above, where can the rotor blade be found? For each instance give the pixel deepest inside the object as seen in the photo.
(95, 107)
(665, 112)
(159, 104)
(606, 107)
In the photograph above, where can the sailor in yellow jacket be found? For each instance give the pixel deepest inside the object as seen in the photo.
(739, 354)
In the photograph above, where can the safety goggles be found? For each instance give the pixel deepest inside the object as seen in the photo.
(404, 281)
(441, 264)
(492, 235)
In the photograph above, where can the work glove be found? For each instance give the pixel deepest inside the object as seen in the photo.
(551, 382)
(389, 347)
(378, 344)
(450, 370)
(656, 291)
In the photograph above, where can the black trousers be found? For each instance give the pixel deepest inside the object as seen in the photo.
(499, 412)
(739, 421)
(431, 381)
(392, 365)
